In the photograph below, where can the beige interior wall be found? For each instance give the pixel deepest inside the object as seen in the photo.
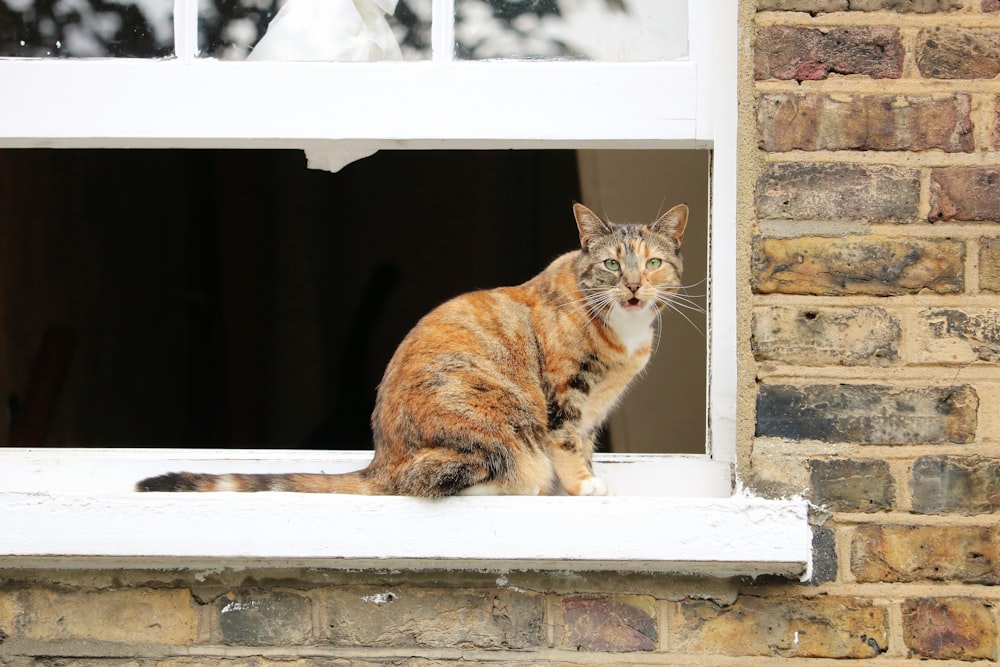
(665, 410)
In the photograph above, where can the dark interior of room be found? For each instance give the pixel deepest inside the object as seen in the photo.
(180, 298)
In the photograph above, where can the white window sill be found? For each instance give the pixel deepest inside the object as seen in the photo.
(74, 508)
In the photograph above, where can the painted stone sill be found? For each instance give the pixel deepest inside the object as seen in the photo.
(74, 508)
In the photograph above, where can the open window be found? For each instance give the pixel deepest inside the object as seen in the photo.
(472, 80)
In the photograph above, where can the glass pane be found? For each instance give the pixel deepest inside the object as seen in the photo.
(315, 30)
(633, 30)
(86, 28)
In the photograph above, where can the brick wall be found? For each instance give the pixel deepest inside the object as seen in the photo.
(871, 338)
(875, 327)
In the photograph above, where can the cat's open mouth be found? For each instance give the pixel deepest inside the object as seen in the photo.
(632, 304)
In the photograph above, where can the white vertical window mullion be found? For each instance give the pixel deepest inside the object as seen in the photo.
(721, 119)
(703, 42)
(443, 30)
(186, 29)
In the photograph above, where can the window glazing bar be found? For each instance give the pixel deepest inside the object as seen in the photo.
(443, 30)
(186, 29)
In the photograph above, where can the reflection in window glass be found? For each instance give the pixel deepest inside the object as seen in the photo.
(315, 30)
(86, 28)
(634, 30)
(227, 29)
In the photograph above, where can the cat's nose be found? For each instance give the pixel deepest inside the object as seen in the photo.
(633, 287)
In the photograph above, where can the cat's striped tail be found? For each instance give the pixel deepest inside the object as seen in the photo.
(352, 482)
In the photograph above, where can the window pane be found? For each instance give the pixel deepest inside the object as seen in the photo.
(315, 30)
(86, 28)
(664, 411)
(227, 29)
(633, 30)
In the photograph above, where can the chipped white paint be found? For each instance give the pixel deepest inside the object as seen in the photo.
(380, 598)
(251, 605)
(203, 575)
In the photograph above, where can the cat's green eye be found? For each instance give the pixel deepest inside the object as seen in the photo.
(612, 264)
(654, 263)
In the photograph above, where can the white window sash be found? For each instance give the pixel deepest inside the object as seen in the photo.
(676, 513)
(192, 102)
(143, 103)
(186, 29)
(443, 30)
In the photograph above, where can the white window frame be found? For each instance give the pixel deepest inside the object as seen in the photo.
(693, 519)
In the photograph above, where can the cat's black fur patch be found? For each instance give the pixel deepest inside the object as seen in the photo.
(172, 481)
(580, 383)
(569, 445)
(560, 414)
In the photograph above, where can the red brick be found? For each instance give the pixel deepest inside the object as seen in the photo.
(787, 52)
(813, 122)
(950, 628)
(965, 193)
(958, 53)
(608, 623)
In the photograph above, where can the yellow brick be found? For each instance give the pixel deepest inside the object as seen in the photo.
(133, 616)
(791, 628)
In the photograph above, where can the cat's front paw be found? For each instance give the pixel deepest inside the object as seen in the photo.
(594, 486)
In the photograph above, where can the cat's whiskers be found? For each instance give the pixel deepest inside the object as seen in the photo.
(682, 299)
(599, 305)
(659, 330)
(700, 282)
(686, 303)
(678, 303)
(600, 299)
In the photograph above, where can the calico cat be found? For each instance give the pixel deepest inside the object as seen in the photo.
(502, 391)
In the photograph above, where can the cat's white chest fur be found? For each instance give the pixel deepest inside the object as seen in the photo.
(633, 327)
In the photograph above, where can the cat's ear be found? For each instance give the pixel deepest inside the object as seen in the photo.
(672, 223)
(590, 225)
